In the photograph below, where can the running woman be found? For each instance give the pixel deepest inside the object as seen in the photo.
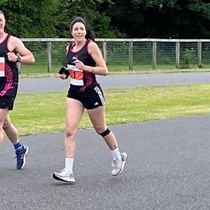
(84, 62)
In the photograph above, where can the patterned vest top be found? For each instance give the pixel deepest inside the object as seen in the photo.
(80, 80)
(9, 74)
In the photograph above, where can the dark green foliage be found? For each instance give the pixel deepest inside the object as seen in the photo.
(161, 19)
(109, 18)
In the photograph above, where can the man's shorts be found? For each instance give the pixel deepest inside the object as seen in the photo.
(7, 102)
(90, 98)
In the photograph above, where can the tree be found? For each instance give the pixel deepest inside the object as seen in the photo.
(30, 18)
(160, 18)
(109, 18)
(90, 10)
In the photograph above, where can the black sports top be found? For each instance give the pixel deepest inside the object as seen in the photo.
(9, 75)
(80, 80)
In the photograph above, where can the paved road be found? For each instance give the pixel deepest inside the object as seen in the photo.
(115, 81)
(168, 169)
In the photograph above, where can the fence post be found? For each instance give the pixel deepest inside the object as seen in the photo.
(177, 55)
(154, 55)
(104, 50)
(130, 57)
(199, 54)
(49, 56)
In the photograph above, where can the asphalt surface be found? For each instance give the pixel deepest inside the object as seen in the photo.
(52, 84)
(168, 163)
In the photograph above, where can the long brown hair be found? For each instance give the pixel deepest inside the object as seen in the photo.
(90, 34)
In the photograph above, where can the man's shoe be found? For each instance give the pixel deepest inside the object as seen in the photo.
(21, 157)
(118, 165)
(64, 176)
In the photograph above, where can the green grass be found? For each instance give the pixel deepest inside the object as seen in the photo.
(41, 70)
(45, 113)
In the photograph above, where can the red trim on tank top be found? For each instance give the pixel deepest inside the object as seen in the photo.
(72, 45)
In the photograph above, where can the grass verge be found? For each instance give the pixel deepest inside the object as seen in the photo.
(45, 113)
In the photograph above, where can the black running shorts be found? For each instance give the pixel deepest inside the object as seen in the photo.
(90, 98)
(7, 102)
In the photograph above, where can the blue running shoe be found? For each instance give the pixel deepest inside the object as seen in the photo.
(21, 157)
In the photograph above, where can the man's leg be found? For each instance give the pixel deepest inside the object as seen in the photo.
(10, 130)
(3, 115)
(20, 150)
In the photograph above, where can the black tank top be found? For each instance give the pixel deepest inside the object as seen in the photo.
(88, 79)
(8, 83)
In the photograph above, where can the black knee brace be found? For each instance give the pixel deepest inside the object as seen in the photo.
(105, 133)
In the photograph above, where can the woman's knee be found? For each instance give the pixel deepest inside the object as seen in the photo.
(70, 132)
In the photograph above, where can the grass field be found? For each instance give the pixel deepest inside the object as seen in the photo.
(45, 113)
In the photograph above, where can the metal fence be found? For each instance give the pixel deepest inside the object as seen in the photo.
(127, 54)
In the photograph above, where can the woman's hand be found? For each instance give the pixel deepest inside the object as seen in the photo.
(63, 73)
(62, 76)
(80, 65)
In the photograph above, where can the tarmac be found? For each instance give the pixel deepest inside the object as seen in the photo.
(53, 84)
(168, 163)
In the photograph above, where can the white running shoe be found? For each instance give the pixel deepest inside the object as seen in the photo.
(118, 165)
(64, 176)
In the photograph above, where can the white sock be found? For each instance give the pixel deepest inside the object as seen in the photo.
(116, 154)
(69, 164)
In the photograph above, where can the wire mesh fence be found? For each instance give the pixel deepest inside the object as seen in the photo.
(126, 54)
